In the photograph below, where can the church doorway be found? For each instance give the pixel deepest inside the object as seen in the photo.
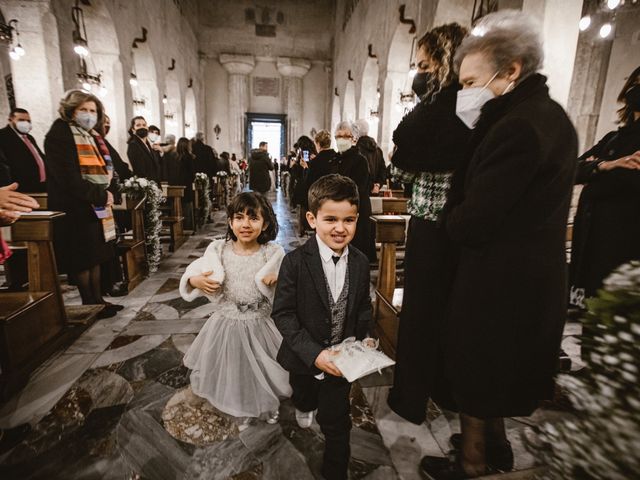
(270, 128)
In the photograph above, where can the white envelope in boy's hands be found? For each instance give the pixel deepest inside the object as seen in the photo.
(357, 359)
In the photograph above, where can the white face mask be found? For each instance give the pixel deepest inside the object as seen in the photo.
(470, 102)
(23, 126)
(86, 120)
(154, 137)
(343, 144)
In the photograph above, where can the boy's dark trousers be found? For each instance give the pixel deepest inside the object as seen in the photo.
(331, 398)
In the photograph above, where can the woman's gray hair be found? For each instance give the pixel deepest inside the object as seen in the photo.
(348, 125)
(505, 36)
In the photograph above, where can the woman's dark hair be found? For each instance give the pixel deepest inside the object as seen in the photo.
(441, 43)
(133, 122)
(253, 203)
(305, 143)
(183, 147)
(625, 114)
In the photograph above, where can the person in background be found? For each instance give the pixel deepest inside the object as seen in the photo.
(144, 159)
(350, 163)
(509, 203)
(23, 160)
(431, 142)
(235, 170)
(223, 163)
(321, 163)
(260, 165)
(186, 175)
(79, 172)
(606, 230)
(121, 167)
(375, 159)
(170, 162)
(155, 137)
(205, 158)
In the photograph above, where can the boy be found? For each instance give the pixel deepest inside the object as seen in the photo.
(322, 297)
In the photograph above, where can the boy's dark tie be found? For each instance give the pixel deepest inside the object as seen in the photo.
(335, 259)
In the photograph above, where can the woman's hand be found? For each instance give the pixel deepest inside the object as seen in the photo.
(15, 201)
(631, 162)
(7, 217)
(270, 279)
(324, 362)
(204, 283)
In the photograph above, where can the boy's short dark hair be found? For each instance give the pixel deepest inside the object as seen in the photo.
(253, 203)
(332, 187)
(262, 144)
(153, 128)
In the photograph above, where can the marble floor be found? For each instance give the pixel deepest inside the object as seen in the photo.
(117, 404)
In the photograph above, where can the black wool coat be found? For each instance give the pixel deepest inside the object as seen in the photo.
(19, 162)
(144, 160)
(318, 168)
(120, 166)
(78, 236)
(508, 304)
(606, 230)
(301, 306)
(205, 161)
(353, 165)
(259, 166)
(375, 159)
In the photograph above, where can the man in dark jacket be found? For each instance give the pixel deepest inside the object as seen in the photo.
(259, 166)
(370, 150)
(24, 160)
(205, 161)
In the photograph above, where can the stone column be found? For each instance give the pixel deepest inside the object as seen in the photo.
(37, 76)
(293, 69)
(239, 68)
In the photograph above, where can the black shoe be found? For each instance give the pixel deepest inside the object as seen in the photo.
(113, 306)
(499, 457)
(108, 312)
(441, 468)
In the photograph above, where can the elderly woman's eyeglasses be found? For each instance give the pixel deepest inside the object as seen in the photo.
(348, 137)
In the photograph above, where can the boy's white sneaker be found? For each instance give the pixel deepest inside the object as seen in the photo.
(273, 417)
(304, 419)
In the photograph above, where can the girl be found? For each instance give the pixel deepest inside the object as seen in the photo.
(233, 358)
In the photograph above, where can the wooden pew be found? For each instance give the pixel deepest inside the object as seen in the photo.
(35, 323)
(390, 231)
(173, 222)
(132, 248)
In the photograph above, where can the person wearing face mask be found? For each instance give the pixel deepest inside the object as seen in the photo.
(24, 161)
(606, 230)
(80, 171)
(508, 210)
(350, 163)
(431, 142)
(144, 159)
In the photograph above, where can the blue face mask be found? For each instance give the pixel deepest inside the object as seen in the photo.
(86, 120)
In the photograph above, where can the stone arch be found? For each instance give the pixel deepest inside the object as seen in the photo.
(370, 96)
(190, 114)
(145, 96)
(173, 109)
(104, 58)
(396, 82)
(349, 105)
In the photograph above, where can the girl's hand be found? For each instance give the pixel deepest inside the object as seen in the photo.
(270, 279)
(204, 283)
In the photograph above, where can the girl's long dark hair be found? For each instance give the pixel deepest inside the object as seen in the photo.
(253, 203)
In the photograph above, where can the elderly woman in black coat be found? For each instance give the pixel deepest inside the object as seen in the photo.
(350, 163)
(508, 303)
(79, 174)
(606, 231)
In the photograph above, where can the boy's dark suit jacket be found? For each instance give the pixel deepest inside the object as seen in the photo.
(301, 306)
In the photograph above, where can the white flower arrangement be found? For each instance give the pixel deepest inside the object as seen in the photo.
(602, 440)
(136, 187)
(204, 197)
(221, 174)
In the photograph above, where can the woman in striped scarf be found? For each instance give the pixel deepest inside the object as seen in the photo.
(79, 174)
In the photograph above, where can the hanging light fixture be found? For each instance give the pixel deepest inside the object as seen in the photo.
(613, 4)
(584, 23)
(605, 30)
(10, 35)
(80, 43)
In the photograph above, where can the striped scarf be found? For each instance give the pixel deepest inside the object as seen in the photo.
(93, 155)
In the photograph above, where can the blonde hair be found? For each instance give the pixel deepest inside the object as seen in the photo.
(73, 99)
(323, 139)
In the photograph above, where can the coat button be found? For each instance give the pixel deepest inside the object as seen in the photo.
(326, 343)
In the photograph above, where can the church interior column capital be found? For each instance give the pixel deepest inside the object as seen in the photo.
(293, 67)
(238, 64)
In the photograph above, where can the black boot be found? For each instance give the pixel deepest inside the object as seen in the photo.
(499, 456)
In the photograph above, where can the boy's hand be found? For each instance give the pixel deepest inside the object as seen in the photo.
(324, 362)
(270, 279)
(204, 283)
